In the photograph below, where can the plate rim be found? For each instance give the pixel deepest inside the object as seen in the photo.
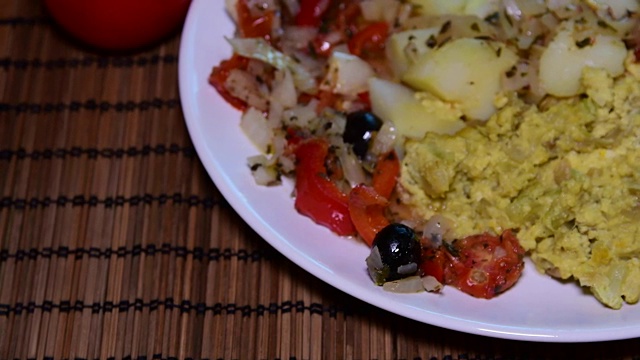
(258, 224)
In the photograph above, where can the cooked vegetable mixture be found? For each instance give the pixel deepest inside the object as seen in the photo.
(452, 137)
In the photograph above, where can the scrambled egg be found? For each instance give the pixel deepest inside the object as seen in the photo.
(565, 174)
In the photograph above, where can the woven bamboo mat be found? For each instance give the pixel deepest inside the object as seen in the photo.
(115, 244)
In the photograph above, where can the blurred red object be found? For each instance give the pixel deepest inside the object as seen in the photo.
(119, 24)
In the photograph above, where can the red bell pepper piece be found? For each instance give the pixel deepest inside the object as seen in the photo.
(316, 196)
(371, 38)
(367, 207)
(433, 263)
(311, 12)
(385, 174)
(254, 26)
(220, 74)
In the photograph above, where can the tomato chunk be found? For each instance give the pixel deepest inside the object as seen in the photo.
(316, 195)
(484, 265)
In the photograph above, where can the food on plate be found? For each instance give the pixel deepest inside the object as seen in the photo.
(565, 174)
(452, 137)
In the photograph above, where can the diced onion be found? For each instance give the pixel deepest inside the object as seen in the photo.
(411, 284)
(353, 171)
(255, 126)
(437, 229)
(259, 49)
(244, 86)
(431, 284)
(284, 89)
(262, 173)
(347, 74)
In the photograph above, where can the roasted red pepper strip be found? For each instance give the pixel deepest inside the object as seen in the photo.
(316, 196)
(311, 12)
(386, 173)
(250, 26)
(219, 76)
(371, 38)
(366, 207)
(433, 262)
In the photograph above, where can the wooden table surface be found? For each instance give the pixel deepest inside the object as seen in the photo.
(115, 244)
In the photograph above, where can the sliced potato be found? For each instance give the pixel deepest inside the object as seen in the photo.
(405, 47)
(562, 62)
(412, 114)
(439, 7)
(479, 8)
(465, 71)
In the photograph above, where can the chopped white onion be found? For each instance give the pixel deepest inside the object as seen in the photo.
(437, 229)
(284, 89)
(244, 86)
(255, 126)
(351, 166)
(431, 284)
(384, 140)
(263, 174)
(259, 49)
(411, 284)
(408, 269)
(303, 116)
(347, 74)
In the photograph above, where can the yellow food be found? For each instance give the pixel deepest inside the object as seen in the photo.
(565, 173)
(413, 114)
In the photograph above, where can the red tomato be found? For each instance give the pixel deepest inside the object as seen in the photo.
(484, 265)
(316, 195)
(119, 24)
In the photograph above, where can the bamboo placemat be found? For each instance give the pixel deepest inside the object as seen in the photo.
(115, 244)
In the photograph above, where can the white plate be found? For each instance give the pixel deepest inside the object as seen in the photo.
(536, 309)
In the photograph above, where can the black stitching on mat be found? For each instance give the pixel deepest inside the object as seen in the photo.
(111, 201)
(184, 306)
(94, 153)
(89, 61)
(90, 105)
(198, 253)
(25, 21)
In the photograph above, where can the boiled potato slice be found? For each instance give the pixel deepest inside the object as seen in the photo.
(479, 8)
(562, 62)
(405, 47)
(465, 71)
(412, 115)
(482, 8)
(439, 7)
